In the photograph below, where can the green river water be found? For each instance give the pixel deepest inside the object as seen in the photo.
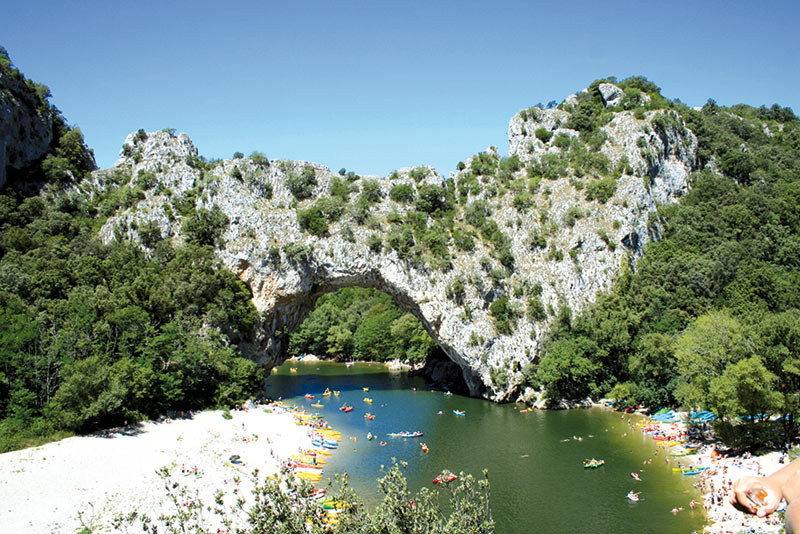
(538, 482)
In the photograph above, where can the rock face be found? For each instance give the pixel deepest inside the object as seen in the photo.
(26, 128)
(587, 237)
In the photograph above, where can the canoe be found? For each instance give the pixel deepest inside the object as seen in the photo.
(694, 471)
(443, 479)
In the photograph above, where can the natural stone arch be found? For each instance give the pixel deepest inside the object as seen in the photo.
(286, 268)
(289, 312)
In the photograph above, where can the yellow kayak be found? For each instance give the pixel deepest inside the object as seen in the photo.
(367, 400)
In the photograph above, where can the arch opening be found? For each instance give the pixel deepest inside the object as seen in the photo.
(346, 320)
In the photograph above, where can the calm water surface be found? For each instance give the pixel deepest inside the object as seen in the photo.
(538, 482)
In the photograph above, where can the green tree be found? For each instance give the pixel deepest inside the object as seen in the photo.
(205, 227)
(712, 343)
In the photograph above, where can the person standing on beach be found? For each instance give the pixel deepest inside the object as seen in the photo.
(762, 495)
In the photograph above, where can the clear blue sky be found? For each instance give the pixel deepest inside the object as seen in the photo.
(373, 86)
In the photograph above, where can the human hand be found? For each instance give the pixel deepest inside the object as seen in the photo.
(756, 495)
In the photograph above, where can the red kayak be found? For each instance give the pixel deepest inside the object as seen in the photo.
(345, 408)
(449, 477)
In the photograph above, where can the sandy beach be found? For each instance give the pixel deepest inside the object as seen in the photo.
(715, 481)
(42, 489)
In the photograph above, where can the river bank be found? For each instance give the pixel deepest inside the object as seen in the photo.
(716, 476)
(42, 489)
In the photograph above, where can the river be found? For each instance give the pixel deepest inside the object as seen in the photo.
(538, 482)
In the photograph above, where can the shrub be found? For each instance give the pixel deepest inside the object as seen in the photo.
(484, 164)
(205, 227)
(258, 158)
(536, 239)
(601, 190)
(430, 199)
(339, 188)
(302, 185)
(146, 180)
(476, 212)
(296, 252)
(463, 240)
(503, 316)
(402, 193)
(313, 221)
(401, 240)
(456, 290)
(543, 134)
(371, 191)
(418, 173)
(238, 155)
(536, 311)
(375, 243)
(331, 208)
(523, 201)
(573, 214)
(149, 233)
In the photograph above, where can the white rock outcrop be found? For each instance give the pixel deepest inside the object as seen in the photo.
(286, 268)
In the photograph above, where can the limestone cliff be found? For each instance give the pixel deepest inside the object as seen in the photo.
(26, 126)
(548, 227)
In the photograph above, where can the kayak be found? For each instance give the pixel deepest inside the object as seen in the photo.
(444, 479)
(460, 413)
(367, 400)
(405, 434)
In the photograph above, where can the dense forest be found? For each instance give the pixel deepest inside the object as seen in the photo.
(95, 334)
(361, 324)
(711, 316)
